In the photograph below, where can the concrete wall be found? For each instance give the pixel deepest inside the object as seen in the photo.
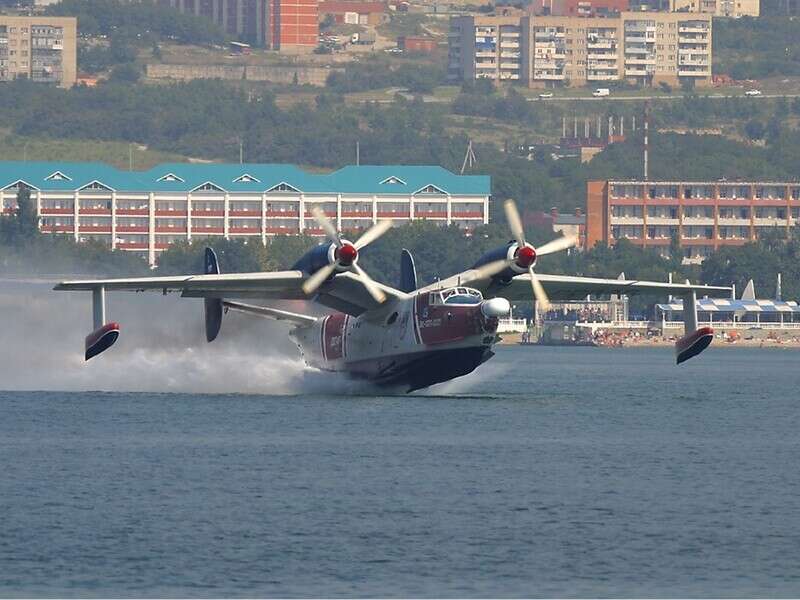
(285, 75)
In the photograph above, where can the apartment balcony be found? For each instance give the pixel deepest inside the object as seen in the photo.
(486, 66)
(770, 222)
(597, 67)
(602, 77)
(485, 54)
(511, 76)
(638, 28)
(627, 220)
(693, 73)
(707, 221)
(510, 45)
(509, 55)
(53, 211)
(637, 72)
(727, 222)
(692, 40)
(509, 66)
(636, 50)
(601, 56)
(693, 62)
(693, 29)
(662, 221)
(57, 229)
(601, 44)
(640, 61)
(549, 76)
(509, 34)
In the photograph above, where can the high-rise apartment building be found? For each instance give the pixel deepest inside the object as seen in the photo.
(286, 25)
(719, 8)
(42, 49)
(702, 215)
(492, 47)
(644, 48)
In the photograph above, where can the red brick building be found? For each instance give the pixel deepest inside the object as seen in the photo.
(295, 25)
(290, 25)
(702, 215)
(354, 13)
(417, 44)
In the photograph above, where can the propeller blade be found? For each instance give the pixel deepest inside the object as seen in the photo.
(311, 284)
(542, 301)
(557, 245)
(373, 233)
(514, 221)
(327, 226)
(489, 269)
(369, 283)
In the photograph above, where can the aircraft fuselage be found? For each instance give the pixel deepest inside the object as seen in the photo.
(428, 338)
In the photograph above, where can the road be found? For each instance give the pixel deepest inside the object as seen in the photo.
(435, 99)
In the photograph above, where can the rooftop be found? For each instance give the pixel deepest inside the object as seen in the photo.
(402, 180)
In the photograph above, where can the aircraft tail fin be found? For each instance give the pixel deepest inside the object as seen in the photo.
(213, 306)
(408, 272)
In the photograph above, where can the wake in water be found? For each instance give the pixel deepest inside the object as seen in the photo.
(162, 348)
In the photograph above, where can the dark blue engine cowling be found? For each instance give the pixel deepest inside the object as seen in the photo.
(313, 260)
(501, 253)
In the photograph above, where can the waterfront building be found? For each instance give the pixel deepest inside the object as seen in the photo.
(145, 211)
(702, 215)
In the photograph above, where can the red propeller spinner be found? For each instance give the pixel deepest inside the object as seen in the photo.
(526, 256)
(346, 254)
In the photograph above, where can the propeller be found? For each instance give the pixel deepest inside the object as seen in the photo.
(346, 256)
(525, 256)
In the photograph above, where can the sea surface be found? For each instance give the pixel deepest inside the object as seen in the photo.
(548, 472)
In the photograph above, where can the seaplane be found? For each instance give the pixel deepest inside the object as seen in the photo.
(407, 336)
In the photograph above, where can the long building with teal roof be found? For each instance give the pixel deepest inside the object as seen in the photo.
(145, 211)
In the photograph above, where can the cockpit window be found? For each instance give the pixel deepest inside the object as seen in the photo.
(461, 295)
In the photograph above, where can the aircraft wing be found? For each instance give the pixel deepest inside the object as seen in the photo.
(345, 292)
(566, 287)
(279, 284)
(569, 287)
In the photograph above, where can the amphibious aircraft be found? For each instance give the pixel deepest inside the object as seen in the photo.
(407, 336)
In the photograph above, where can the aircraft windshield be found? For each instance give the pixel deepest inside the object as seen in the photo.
(461, 295)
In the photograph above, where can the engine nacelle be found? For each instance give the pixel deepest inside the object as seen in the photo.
(522, 257)
(328, 254)
(316, 258)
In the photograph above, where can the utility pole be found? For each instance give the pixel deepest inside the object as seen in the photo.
(241, 151)
(358, 153)
(130, 157)
(469, 158)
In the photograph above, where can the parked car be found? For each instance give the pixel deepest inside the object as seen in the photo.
(600, 92)
(752, 93)
(546, 95)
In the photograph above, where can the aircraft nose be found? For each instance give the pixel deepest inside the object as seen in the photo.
(495, 308)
